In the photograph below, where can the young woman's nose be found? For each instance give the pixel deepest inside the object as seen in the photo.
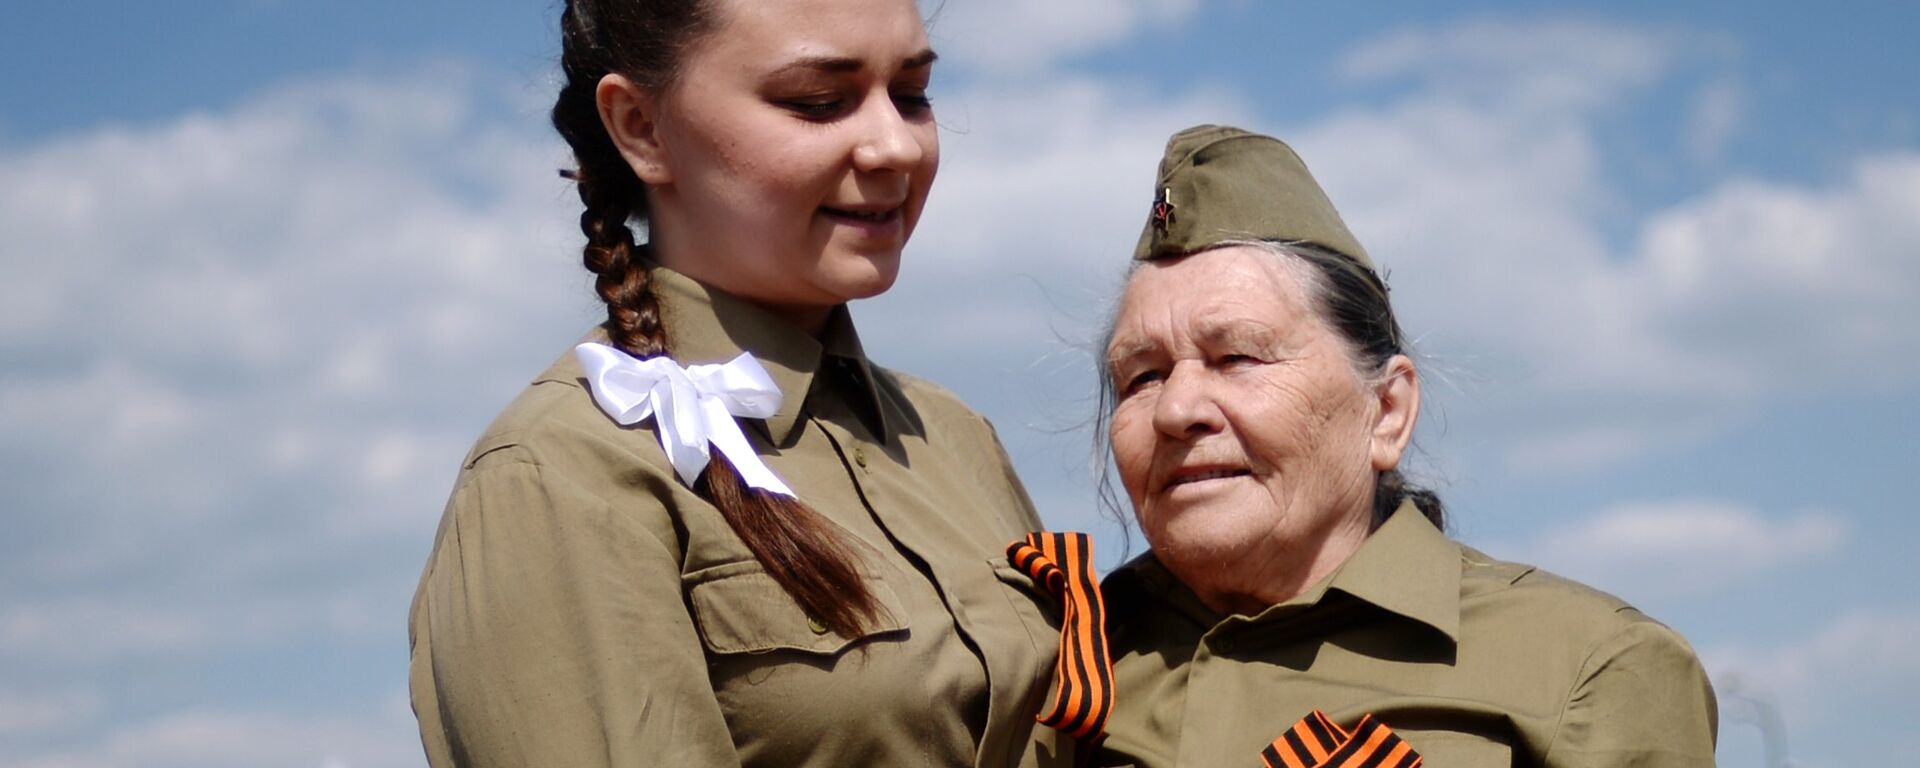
(887, 140)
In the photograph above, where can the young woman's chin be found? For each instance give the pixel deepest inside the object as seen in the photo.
(860, 275)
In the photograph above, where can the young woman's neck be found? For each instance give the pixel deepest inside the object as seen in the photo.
(807, 317)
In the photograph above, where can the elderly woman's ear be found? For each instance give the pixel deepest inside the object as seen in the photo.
(1398, 399)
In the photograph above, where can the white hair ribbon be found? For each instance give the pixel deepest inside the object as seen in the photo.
(691, 406)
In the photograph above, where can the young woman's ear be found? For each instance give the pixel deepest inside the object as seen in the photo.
(630, 114)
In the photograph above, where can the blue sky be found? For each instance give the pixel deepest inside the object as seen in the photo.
(269, 267)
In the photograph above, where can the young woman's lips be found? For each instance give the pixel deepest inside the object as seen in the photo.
(873, 222)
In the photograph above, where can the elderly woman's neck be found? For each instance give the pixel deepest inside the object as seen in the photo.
(1274, 572)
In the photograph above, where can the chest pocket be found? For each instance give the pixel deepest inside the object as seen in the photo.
(739, 608)
(1446, 749)
(1038, 610)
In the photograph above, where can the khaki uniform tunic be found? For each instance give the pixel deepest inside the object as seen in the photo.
(1473, 661)
(582, 607)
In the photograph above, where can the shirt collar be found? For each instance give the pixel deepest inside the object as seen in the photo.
(1131, 586)
(1407, 567)
(707, 325)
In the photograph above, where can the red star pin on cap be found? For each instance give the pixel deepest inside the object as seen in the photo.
(1163, 210)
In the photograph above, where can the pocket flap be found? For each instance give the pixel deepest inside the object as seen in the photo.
(740, 609)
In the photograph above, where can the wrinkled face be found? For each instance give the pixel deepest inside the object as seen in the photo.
(1241, 429)
(800, 146)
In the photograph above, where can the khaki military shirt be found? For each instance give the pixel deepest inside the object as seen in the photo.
(1473, 661)
(582, 607)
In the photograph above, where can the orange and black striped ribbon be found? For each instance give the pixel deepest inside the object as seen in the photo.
(1317, 742)
(1083, 674)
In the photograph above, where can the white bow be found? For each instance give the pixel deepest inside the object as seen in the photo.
(692, 406)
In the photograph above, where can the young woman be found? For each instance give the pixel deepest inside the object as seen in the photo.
(715, 533)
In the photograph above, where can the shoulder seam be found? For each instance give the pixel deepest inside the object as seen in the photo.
(539, 468)
(1580, 675)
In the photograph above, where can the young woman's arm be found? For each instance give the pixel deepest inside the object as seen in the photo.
(550, 630)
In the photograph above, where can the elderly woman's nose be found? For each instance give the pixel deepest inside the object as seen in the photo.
(1186, 405)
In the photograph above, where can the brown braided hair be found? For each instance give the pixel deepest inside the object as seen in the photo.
(645, 40)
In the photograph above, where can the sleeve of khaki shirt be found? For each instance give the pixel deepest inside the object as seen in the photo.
(557, 634)
(1642, 700)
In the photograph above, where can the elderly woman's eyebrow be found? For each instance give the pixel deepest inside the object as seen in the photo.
(1238, 333)
(1122, 352)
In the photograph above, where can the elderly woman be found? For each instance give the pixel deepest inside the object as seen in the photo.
(1300, 602)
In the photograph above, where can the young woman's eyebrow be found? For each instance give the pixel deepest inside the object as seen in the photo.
(844, 64)
(924, 58)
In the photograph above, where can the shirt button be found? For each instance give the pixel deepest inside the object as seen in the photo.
(815, 625)
(1223, 645)
(860, 455)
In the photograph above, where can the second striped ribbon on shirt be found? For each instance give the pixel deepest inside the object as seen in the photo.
(1318, 742)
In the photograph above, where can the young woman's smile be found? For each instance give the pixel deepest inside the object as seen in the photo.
(790, 160)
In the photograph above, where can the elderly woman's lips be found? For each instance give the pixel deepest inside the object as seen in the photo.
(1186, 478)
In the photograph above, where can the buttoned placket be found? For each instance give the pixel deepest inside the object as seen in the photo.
(1222, 653)
(1200, 720)
(856, 456)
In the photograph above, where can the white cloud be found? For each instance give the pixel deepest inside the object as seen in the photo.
(40, 711)
(1487, 205)
(249, 345)
(127, 410)
(1682, 547)
(186, 618)
(1858, 667)
(1574, 449)
(1715, 118)
(1554, 64)
(217, 738)
(1789, 288)
(98, 630)
(1051, 179)
(1488, 195)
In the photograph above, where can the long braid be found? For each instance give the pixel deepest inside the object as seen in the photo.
(642, 40)
(609, 191)
(633, 314)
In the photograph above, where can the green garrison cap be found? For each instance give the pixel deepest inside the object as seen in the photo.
(1218, 184)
